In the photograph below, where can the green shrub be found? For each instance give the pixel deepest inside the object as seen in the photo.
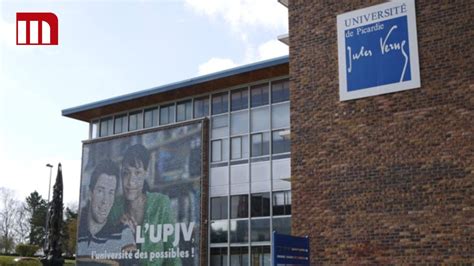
(26, 250)
(12, 261)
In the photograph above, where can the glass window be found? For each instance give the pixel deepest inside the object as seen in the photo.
(236, 148)
(280, 142)
(260, 119)
(201, 107)
(220, 103)
(239, 99)
(219, 231)
(110, 127)
(220, 150)
(260, 144)
(239, 147)
(225, 149)
(120, 124)
(260, 204)
(103, 128)
(167, 114)
(239, 256)
(106, 127)
(184, 111)
(260, 230)
(259, 95)
(280, 91)
(216, 150)
(151, 117)
(260, 256)
(219, 208)
(220, 126)
(135, 121)
(239, 123)
(239, 231)
(239, 206)
(95, 129)
(282, 203)
(218, 257)
(281, 115)
(282, 225)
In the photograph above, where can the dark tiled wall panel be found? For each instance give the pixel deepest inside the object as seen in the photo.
(385, 179)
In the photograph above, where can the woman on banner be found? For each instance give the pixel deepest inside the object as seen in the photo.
(140, 208)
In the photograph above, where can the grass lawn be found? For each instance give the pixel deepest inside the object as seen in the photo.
(9, 260)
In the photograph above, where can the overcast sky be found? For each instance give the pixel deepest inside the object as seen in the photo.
(109, 48)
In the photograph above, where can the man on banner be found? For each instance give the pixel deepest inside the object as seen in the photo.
(99, 239)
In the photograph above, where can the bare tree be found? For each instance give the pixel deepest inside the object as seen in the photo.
(22, 226)
(8, 209)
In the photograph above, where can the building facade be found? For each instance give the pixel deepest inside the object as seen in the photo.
(246, 182)
(386, 179)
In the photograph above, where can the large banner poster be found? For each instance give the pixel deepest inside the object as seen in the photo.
(140, 198)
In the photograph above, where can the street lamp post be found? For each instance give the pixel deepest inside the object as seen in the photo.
(50, 173)
(47, 210)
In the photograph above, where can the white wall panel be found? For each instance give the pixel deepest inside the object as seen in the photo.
(261, 186)
(281, 185)
(219, 191)
(239, 189)
(260, 171)
(281, 169)
(239, 174)
(219, 176)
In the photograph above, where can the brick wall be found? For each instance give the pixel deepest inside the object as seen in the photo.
(385, 179)
(204, 194)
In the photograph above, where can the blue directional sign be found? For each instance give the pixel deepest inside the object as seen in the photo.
(378, 50)
(291, 250)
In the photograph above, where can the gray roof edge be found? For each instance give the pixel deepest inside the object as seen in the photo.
(177, 85)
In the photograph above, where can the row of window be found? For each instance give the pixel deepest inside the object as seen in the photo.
(259, 256)
(259, 205)
(259, 96)
(137, 120)
(259, 120)
(189, 109)
(259, 146)
(237, 231)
